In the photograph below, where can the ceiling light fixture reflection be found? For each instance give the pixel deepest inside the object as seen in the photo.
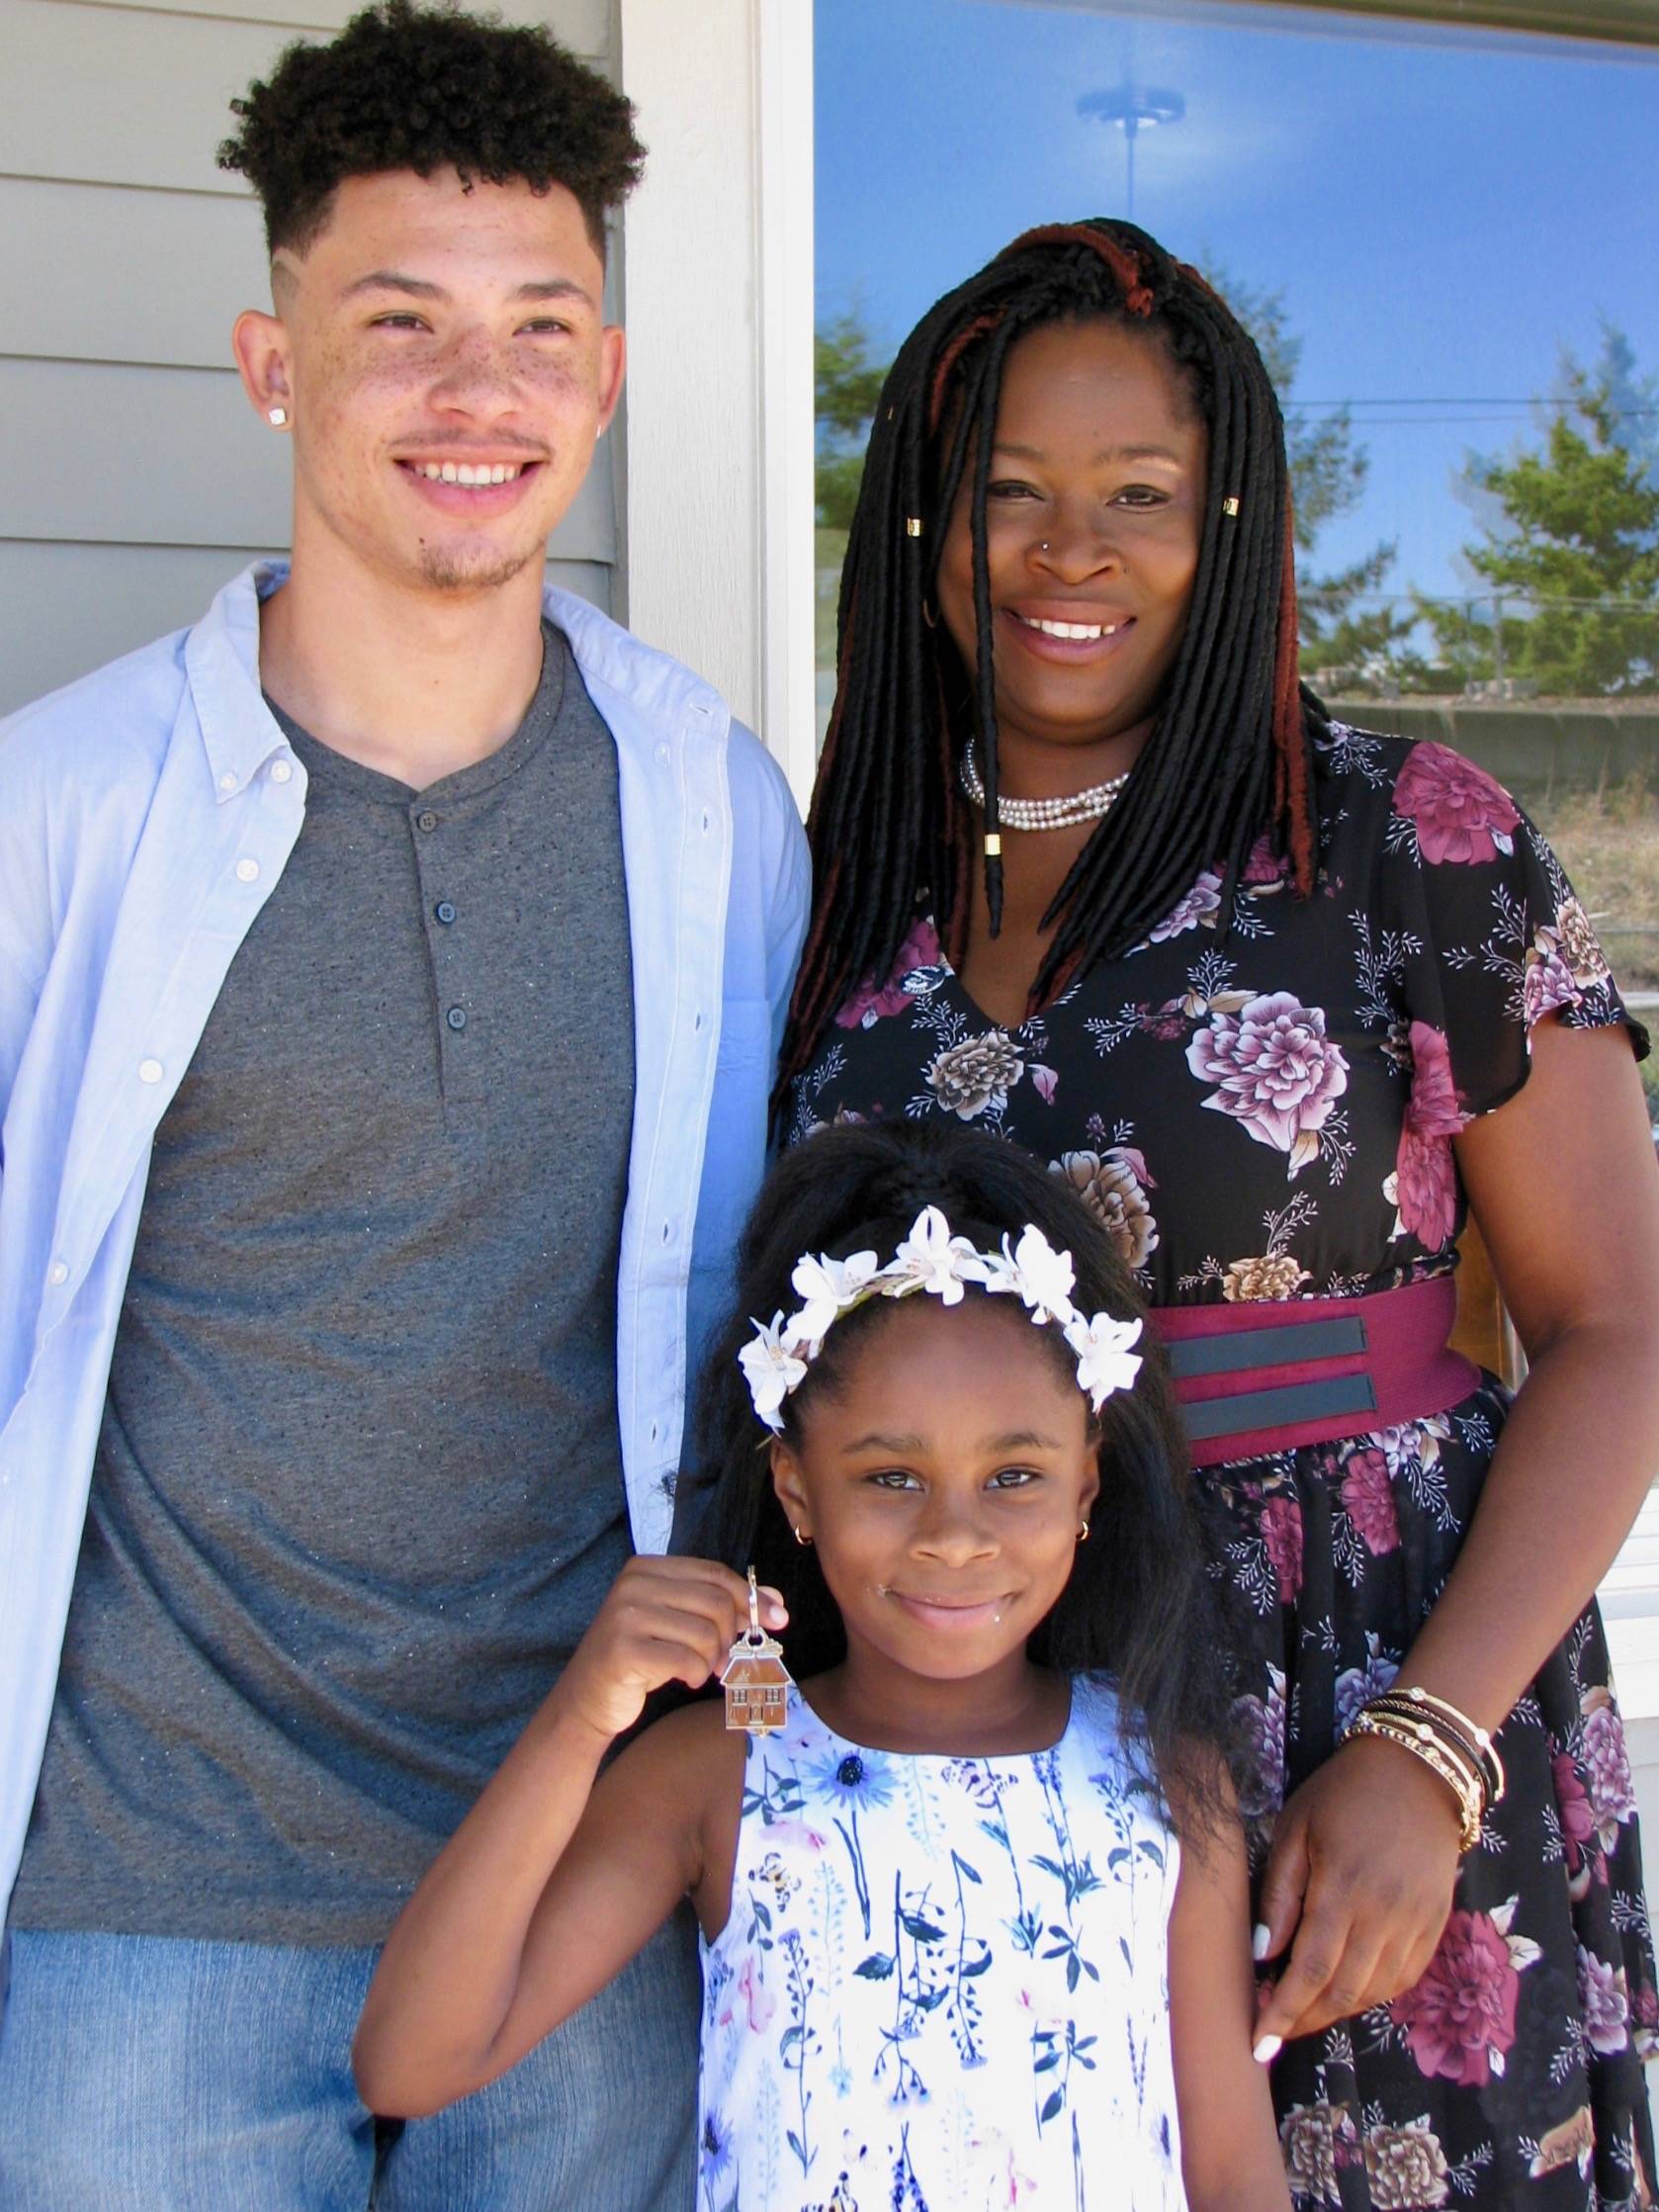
(1134, 109)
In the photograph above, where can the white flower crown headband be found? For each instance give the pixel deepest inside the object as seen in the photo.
(776, 1358)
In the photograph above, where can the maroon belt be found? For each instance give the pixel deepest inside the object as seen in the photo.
(1263, 1377)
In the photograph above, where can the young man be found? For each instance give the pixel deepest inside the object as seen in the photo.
(391, 967)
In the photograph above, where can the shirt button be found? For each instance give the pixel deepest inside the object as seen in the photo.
(457, 1017)
(663, 754)
(444, 911)
(228, 781)
(247, 871)
(150, 1071)
(282, 771)
(426, 819)
(59, 1272)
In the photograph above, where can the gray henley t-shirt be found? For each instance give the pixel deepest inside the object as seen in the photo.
(359, 1486)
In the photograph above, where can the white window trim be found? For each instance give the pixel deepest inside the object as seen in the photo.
(718, 286)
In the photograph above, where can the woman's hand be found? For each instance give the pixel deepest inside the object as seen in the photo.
(1361, 1872)
(666, 1620)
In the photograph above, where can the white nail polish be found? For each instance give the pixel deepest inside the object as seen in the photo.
(1266, 2049)
(1261, 1936)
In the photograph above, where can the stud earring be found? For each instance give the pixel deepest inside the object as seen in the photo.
(1083, 1532)
(277, 418)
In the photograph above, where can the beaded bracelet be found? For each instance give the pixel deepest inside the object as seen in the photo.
(1463, 1780)
(1451, 1737)
(1485, 1751)
(1443, 1741)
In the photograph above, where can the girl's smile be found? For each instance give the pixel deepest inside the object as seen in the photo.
(952, 1614)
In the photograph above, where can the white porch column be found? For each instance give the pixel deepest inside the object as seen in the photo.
(718, 287)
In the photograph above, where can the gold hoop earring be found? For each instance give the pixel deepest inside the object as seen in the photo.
(930, 614)
(804, 1541)
(1083, 1532)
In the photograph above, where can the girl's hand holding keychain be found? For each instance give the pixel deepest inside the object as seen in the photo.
(666, 1620)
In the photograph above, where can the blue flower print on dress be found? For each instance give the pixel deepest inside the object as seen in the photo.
(852, 1780)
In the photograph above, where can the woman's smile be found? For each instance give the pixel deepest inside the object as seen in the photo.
(1080, 635)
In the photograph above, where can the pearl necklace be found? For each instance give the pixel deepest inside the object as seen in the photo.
(1044, 814)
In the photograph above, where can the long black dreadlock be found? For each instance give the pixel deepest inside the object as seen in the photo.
(1229, 757)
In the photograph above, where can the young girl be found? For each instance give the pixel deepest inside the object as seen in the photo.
(974, 1920)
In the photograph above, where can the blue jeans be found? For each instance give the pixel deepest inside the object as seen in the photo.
(150, 2074)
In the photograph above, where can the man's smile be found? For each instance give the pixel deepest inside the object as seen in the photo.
(484, 485)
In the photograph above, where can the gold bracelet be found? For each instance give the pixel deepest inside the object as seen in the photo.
(1434, 1756)
(1411, 1719)
(1492, 1768)
(1423, 1723)
(1458, 1782)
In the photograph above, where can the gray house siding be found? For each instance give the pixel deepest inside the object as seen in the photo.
(136, 477)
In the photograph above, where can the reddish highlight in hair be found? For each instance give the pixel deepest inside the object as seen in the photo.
(1126, 265)
(981, 327)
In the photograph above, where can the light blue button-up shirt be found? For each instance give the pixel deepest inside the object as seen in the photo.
(145, 814)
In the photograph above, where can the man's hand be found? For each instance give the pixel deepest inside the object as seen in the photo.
(1361, 1872)
(666, 1620)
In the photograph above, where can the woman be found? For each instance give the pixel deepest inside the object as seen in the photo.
(1282, 1000)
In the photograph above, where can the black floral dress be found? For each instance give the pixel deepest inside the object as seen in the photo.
(1267, 1118)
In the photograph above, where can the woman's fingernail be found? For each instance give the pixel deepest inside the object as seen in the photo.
(1261, 1936)
(1267, 2048)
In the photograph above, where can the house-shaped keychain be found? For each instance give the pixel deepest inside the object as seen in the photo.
(756, 1680)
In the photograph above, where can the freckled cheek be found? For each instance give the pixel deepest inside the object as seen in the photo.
(348, 407)
(564, 381)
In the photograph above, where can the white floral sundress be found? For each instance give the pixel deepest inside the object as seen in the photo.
(942, 1986)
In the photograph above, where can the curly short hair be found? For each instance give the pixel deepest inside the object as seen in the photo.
(427, 88)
